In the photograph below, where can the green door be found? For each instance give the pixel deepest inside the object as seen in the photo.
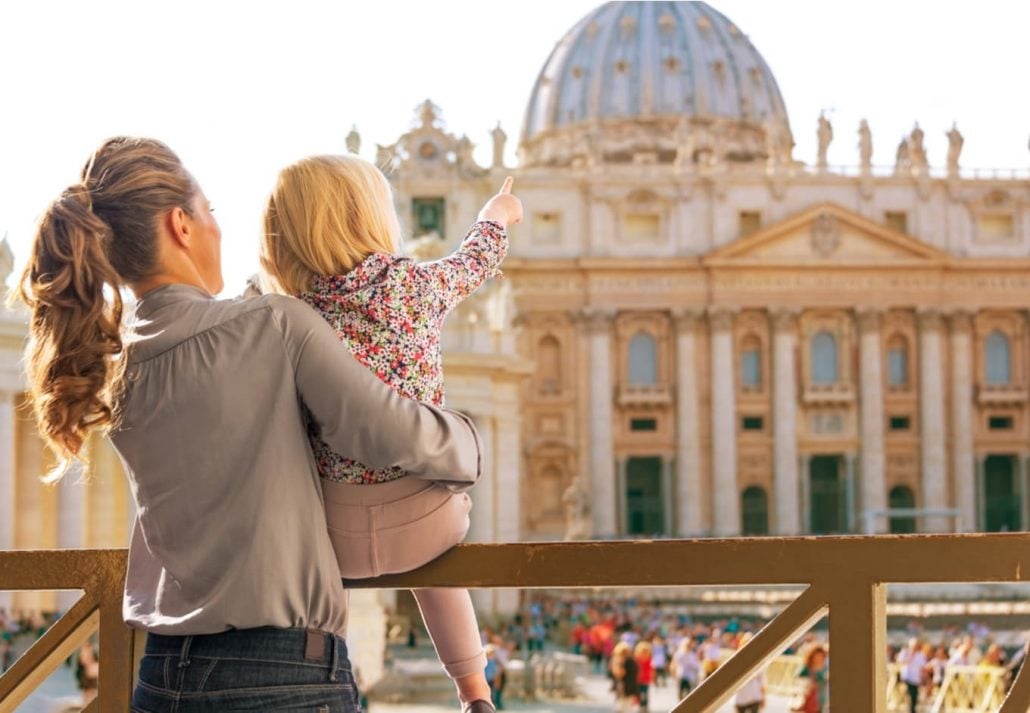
(826, 509)
(902, 497)
(645, 513)
(1002, 510)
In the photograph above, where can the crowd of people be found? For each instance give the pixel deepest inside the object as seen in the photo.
(24, 626)
(641, 645)
(922, 664)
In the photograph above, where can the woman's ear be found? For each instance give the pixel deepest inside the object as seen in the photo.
(178, 226)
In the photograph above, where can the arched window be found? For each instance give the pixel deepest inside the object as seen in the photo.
(754, 511)
(751, 363)
(901, 496)
(643, 360)
(897, 362)
(549, 365)
(998, 359)
(824, 358)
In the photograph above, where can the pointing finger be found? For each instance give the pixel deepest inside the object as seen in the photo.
(506, 188)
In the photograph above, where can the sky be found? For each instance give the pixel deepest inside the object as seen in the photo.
(241, 89)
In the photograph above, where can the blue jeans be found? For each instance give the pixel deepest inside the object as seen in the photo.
(266, 669)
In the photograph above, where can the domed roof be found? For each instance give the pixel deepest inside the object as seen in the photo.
(642, 61)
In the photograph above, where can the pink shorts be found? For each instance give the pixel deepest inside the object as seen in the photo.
(396, 526)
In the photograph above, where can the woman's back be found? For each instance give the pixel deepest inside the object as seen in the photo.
(222, 383)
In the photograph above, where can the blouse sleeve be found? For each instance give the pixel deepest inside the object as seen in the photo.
(359, 415)
(455, 277)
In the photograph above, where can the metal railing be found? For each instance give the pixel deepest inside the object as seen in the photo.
(845, 577)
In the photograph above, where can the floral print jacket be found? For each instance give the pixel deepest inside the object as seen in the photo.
(389, 311)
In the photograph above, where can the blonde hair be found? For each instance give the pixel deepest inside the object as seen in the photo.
(99, 234)
(325, 215)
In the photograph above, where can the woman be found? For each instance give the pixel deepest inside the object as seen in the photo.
(624, 673)
(815, 689)
(230, 571)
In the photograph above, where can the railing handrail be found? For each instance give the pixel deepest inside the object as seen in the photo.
(845, 576)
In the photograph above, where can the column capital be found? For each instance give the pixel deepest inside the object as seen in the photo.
(868, 318)
(686, 319)
(929, 318)
(784, 319)
(961, 321)
(720, 317)
(596, 320)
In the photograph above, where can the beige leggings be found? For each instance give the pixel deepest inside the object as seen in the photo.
(397, 526)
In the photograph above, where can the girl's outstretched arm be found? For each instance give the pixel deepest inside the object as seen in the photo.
(458, 275)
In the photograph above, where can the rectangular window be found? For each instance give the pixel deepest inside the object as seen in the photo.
(427, 216)
(643, 424)
(546, 228)
(897, 367)
(749, 221)
(752, 423)
(896, 220)
(996, 228)
(641, 227)
(1000, 423)
(900, 423)
(751, 369)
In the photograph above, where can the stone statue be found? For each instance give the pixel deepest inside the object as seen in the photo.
(6, 261)
(354, 140)
(916, 150)
(428, 113)
(955, 141)
(903, 161)
(577, 511)
(499, 138)
(865, 146)
(825, 135)
(384, 156)
(463, 154)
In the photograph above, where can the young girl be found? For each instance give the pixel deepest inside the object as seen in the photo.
(332, 238)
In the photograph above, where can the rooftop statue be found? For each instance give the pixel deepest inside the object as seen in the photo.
(499, 138)
(353, 140)
(865, 146)
(955, 142)
(825, 135)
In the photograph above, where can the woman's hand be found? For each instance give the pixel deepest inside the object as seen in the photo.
(504, 208)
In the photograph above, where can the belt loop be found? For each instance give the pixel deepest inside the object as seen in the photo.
(334, 662)
(184, 653)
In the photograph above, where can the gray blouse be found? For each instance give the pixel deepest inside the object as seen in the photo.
(230, 530)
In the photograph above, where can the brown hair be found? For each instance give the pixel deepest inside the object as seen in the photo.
(325, 215)
(99, 234)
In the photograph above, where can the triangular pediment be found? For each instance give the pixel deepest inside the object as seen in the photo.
(829, 235)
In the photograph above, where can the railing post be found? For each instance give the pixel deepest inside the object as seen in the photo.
(117, 641)
(858, 645)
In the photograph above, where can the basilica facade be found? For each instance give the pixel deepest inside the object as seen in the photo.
(698, 333)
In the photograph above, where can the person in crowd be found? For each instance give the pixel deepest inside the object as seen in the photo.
(624, 675)
(913, 665)
(814, 697)
(660, 660)
(642, 653)
(494, 673)
(87, 672)
(687, 666)
(207, 403)
(750, 697)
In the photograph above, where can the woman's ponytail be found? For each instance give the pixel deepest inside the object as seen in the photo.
(99, 235)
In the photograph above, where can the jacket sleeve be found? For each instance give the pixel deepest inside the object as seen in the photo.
(362, 418)
(453, 278)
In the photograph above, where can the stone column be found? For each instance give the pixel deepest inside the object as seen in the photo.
(804, 494)
(785, 430)
(71, 521)
(873, 459)
(668, 503)
(602, 459)
(689, 491)
(8, 474)
(962, 418)
(931, 408)
(725, 498)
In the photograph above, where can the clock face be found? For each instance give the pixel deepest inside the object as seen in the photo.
(428, 151)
